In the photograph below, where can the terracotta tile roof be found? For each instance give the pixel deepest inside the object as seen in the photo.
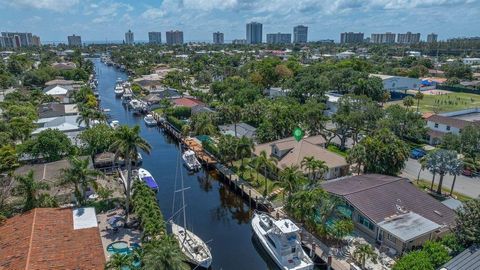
(186, 102)
(44, 238)
(376, 197)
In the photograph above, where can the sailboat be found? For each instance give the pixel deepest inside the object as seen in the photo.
(194, 248)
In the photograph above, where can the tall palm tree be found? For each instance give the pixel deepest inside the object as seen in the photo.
(267, 163)
(321, 168)
(357, 155)
(86, 116)
(80, 176)
(418, 97)
(126, 143)
(164, 255)
(244, 148)
(290, 180)
(456, 168)
(423, 165)
(364, 252)
(29, 189)
(440, 162)
(309, 164)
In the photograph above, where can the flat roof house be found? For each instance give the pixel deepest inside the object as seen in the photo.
(242, 130)
(52, 238)
(451, 122)
(60, 92)
(391, 211)
(398, 83)
(289, 152)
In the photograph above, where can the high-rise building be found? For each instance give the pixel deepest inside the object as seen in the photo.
(351, 37)
(36, 41)
(174, 37)
(383, 38)
(218, 38)
(74, 41)
(129, 40)
(19, 39)
(408, 38)
(2, 42)
(155, 37)
(432, 38)
(300, 34)
(279, 38)
(254, 33)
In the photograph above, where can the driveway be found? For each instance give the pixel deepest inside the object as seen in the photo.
(469, 186)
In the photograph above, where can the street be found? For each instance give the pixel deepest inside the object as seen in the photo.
(469, 186)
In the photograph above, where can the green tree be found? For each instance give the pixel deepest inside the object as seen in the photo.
(49, 144)
(363, 253)
(371, 87)
(164, 255)
(203, 124)
(267, 164)
(244, 148)
(357, 155)
(30, 190)
(120, 261)
(290, 180)
(126, 143)
(418, 96)
(437, 253)
(385, 153)
(415, 260)
(8, 159)
(467, 229)
(97, 139)
(408, 102)
(441, 162)
(80, 176)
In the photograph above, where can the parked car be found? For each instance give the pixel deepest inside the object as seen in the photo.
(417, 153)
(470, 172)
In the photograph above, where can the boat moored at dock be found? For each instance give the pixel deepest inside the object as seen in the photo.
(191, 160)
(281, 240)
(146, 176)
(150, 120)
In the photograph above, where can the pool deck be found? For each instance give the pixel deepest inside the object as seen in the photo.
(108, 236)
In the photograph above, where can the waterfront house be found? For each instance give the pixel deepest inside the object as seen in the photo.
(52, 238)
(189, 102)
(56, 109)
(242, 130)
(391, 211)
(62, 93)
(66, 124)
(289, 152)
(451, 122)
(64, 66)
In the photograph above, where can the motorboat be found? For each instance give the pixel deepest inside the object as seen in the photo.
(137, 106)
(146, 176)
(281, 240)
(114, 124)
(127, 96)
(195, 249)
(191, 160)
(150, 120)
(119, 89)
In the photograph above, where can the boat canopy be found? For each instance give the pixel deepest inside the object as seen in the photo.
(286, 226)
(150, 182)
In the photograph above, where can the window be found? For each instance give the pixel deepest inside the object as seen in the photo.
(436, 125)
(365, 222)
(448, 127)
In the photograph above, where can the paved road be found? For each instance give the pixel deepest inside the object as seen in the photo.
(469, 186)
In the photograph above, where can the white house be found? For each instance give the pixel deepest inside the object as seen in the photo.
(471, 61)
(61, 92)
(275, 92)
(398, 83)
(345, 55)
(332, 103)
(451, 122)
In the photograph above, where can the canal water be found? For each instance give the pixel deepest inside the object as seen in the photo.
(214, 212)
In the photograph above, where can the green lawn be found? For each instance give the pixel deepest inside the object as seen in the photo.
(446, 103)
(336, 150)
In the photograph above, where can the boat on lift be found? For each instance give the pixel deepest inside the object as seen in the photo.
(150, 120)
(191, 160)
(114, 124)
(119, 88)
(146, 176)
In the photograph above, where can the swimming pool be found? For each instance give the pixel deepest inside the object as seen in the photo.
(122, 247)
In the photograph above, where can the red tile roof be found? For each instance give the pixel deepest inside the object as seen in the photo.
(44, 238)
(187, 102)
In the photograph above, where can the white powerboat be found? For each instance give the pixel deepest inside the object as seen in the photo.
(114, 124)
(137, 106)
(119, 89)
(191, 160)
(146, 176)
(150, 120)
(281, 240)
(194, 248)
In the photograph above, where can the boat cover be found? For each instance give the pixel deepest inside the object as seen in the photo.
(150, 182)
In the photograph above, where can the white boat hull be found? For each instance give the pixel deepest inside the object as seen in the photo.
(191, 161)
(261, 235)
(203, 258)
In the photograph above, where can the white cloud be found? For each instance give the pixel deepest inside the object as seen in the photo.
(153, 14)
(106, 11)
(55, 5)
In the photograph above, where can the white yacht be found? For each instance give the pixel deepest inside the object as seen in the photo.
(114, 124)
(150, 120)
(191, 160)
(119, 89)
(136, 105)
(281, 240)
(194, 248)
(146, 176)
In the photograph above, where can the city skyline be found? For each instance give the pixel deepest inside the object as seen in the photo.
(108, 20)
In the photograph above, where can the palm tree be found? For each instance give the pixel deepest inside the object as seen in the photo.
(244, 148)
(357, 155)
(321, 168)
(423, 164)
(267, 163)
(290, 180)
(29, 189)
(85, 116)
(309, 164)
(81, 176)
(120, 261)
(440, 162)
(186, 130)
(408, 102)
(418, 97)
(126, 143)
(456, 168)
(202, 124)
(164, 255)
(364, 252)
(257, 165)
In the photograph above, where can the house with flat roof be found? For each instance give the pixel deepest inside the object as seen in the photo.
(56, 109)
(289, 152)
(241, 130)
(391, 211)
(450, 122)
(63, 93)
(398, 83)
(52, 238)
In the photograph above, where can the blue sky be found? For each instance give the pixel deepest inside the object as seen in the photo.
(97, 20)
